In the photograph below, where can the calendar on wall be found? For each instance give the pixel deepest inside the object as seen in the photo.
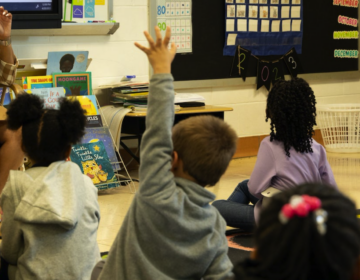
(177, 15)
(265, 27)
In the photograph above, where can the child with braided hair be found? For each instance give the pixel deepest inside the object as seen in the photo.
(51, 212)
(310, 232)
(286, 158)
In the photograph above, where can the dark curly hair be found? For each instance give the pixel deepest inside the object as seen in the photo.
(68, 57)
(296, 250)
(291, 108)
(47, 134)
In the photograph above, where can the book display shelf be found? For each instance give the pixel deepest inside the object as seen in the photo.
(97, 154)
(122, 177)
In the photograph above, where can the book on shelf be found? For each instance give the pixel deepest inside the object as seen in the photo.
(65, 62)
(88, 103)
(126, 84)
(94, 121)
(75, 84)
(138, 109)
(32, 82)
(125, 97)
(133, 90)
(93, 135)
(50, 96)
(188, 97)
(9, 95)
(94, 163)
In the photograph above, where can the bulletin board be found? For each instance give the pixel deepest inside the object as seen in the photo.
(320, 19)
(84, 11)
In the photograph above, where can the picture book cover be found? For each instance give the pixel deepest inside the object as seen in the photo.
(88, 103)
(94, 163)
(50, 96)
(75, 84)
(8, 96)
(102, 134)
(94, 121)
(67, 62)
(37, 82)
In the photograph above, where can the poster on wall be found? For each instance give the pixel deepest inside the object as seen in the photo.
(264, 27)
(177, 15)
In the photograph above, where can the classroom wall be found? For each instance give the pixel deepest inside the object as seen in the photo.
(248, 117)
(115, 56)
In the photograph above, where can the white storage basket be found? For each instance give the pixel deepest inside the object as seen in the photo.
(340, 127)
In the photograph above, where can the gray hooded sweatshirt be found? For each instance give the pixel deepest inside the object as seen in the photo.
(50, 221)
(170, 231)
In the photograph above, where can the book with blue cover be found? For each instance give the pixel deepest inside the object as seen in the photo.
(8, 96)
(94, 163)
(67, 62)
(93, 135)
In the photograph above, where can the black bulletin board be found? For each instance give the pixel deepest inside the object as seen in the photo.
(320, 21)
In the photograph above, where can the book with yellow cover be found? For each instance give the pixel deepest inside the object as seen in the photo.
(37, 82)
(88, 103)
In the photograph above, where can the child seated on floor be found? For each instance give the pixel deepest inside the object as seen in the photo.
(50, 212)
(171, 231)
(310, 232)
(286, 158)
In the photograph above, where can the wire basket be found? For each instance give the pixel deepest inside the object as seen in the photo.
(340, 127)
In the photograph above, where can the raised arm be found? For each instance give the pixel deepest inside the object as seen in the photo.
(156, 147)
(8, 62)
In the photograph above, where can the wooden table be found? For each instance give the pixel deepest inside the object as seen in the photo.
(134, 122)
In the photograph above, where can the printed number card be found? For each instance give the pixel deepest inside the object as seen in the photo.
(177, 15)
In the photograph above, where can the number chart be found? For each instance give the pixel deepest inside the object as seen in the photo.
(265, 27)
(177, 15)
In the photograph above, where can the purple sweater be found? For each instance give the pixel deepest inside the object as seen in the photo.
(274, 169)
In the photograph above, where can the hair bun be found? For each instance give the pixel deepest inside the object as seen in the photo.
(25, 108)
(72, 119)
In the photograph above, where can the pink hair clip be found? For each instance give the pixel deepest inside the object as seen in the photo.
(301, 206)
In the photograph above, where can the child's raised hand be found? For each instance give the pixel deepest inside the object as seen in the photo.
(159, 55)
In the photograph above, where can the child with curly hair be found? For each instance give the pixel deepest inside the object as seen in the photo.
(320, 237)
(50, 212)
(286, 158)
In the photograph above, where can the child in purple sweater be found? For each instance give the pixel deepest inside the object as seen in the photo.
(286, 158)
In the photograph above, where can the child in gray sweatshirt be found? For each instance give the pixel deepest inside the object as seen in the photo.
(171, 231)
(50, 212)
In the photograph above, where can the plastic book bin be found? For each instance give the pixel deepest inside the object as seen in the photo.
(340, 127)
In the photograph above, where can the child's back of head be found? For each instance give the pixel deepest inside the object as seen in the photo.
(291, 108)
(206, 145)
(319, 242)
(51, 208)
(47, 134)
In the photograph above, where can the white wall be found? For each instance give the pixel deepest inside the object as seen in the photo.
(248, 117)
(115, 56)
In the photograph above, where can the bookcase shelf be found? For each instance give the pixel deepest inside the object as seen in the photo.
(72, 29)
